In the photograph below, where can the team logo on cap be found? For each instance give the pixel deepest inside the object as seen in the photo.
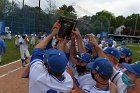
(97, 68)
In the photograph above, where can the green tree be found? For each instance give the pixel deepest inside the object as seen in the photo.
(120, 21)
(67, 11)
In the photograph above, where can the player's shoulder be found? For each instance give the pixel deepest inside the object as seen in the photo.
(98, 90)
(67, 76)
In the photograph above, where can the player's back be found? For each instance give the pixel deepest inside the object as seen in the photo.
(46, 83)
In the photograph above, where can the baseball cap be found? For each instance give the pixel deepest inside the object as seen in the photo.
(86, 57)
(56, 59)
(126, 52)
(112, 51)
(123, 43)
(134, 68)
(89, 46)
(102, 66)
(110, 42)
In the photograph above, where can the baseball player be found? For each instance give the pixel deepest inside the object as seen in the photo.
(128, 82)
(123, 45)
(113, 55)
(9, 35)
(17, 40)
(2, 47)
(33, 37)
(101, 71)
(23, 41)
(126, 57)
(51, 78)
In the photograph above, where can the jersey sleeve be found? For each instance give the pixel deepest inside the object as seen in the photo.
(37, 56)
(37, 67)
(117, 80)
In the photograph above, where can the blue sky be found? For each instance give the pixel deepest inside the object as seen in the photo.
(89, 7)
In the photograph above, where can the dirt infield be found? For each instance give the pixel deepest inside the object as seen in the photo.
(10, 79)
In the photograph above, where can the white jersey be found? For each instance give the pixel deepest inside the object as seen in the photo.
(9, 35)
(23, 44)
(114, 44)
(97, 90)
(42, 82)
(117, 80)
(86, 82)
(54, 42)
(85, 41)
(33, 36)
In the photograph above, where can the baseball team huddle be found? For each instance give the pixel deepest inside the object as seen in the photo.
(78, 65)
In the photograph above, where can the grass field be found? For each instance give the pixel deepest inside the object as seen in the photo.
(13, 53)
(136, 51)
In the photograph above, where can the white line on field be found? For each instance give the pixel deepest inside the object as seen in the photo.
(9, 72)
(10, 63)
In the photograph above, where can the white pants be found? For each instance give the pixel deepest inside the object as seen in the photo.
(33, 41)
(0, 58)
(22, 52)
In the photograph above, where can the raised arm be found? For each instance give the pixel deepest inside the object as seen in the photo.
(81, 48)
(73, 51)
(45, 41)
(98, 50)
(75, 86)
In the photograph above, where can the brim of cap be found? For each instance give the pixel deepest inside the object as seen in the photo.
(83, 59)
(105, 51)
(90, 65)
(129, 68)
(122, 53)
(110, 54)
(88, 48)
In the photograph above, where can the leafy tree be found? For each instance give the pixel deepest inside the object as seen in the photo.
(67, 11)
(120, 21)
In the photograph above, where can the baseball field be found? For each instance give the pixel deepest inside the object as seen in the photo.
(10, 69)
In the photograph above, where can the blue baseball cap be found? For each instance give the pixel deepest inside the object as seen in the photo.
(89, 46)
(110, 42)
(86, 57)
(112, 51)
(102, 66)
(123, 43)
(126, 52)
(134, 68)
(56, 59)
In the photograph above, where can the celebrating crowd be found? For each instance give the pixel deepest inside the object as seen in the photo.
(59, 65)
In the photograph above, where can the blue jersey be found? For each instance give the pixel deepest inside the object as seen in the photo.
(2, 46)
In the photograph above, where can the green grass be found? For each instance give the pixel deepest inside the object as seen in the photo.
(12, 53)
(136, 51)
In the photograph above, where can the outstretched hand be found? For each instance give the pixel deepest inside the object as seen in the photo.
(92, 39)
(56, 28)
(113, 88)
(76, 32)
